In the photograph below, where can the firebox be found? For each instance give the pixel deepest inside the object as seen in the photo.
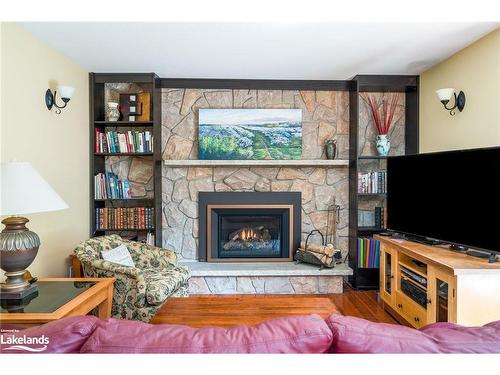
(244, 226)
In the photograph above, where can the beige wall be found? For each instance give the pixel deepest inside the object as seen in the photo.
(56, 145)
(476, 71)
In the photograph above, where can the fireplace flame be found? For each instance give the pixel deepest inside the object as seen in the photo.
(248, 234)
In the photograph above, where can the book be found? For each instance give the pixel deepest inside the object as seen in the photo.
(119, 218)
(126, 142)
(368, 253)
(109, 186)
(379, 217)
(372, 182)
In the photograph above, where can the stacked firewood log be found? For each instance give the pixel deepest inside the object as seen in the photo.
(318, 254)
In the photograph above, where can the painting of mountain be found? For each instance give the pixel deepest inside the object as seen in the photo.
(249, 134)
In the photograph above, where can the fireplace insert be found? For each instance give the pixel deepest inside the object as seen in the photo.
(249, 226)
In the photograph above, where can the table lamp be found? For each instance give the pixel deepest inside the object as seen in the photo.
(22, 191)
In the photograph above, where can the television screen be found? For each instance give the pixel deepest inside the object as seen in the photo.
(449, 196)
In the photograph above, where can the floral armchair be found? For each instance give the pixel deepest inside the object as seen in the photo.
(139, 291)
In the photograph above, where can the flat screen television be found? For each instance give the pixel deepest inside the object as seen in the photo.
(451, 196)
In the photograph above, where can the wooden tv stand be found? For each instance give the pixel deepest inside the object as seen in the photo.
(452, 287)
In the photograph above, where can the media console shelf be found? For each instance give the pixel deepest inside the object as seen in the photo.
(422, 284)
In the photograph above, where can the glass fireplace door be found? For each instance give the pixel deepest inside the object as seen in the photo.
(255, 236)
(250, 233)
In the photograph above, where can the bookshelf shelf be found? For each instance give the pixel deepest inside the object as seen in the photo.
(366, 157)
(372, 194)
(124, 230)
(124, 123)
(103, 87)
(368, 278)
(124, 200)
(123, 153)
(370, 229)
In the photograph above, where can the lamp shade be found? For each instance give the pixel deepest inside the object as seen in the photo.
(445, 94)
(65, 92)
(24, 191)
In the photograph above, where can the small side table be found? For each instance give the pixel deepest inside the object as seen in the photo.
(60, 298)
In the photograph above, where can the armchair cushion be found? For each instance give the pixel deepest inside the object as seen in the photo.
(162, 283)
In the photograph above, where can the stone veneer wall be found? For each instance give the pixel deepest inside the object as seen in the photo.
(325, 115)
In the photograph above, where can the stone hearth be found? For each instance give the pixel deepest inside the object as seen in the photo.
(265, 278)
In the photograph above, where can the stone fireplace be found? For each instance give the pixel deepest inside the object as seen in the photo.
(186, 180)
(325, 116)
(249, 226)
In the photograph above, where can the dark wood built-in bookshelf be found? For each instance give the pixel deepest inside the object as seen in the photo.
(98, 120)
(368, 278)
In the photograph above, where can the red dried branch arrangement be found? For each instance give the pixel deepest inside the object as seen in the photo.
(383, 122)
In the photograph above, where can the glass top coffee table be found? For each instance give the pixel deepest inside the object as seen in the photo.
(58, 298)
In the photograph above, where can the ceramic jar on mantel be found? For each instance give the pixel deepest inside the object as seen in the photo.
(331, 149)
(113, 111)
(383, 144)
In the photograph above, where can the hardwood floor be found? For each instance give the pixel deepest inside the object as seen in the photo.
(231, 310)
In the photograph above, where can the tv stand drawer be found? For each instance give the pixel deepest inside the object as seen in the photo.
(410, 310)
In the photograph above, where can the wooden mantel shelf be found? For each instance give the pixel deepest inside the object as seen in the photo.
(256, 163)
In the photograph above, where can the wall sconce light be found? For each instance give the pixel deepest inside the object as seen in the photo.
(444, 96)
(65, 92)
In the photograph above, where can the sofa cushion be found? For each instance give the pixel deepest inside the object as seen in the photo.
(293, 334)
(452, 338)
(62, 336)
(355, 335)
(161, 283)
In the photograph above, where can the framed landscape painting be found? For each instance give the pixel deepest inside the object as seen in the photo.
(249, 134)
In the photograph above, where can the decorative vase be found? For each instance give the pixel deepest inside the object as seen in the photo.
(113, 111)
(383, 144)
(331, 149)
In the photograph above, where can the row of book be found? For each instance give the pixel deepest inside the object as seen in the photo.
(109, 186)
(381, 217)
(131, 141)
(122, 218)
(372, 182)
(368, 253)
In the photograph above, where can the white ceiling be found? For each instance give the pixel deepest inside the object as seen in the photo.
(259, 50)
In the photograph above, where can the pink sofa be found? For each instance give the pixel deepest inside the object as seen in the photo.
(293, 334)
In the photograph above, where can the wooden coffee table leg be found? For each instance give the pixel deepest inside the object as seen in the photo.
(105, 306)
